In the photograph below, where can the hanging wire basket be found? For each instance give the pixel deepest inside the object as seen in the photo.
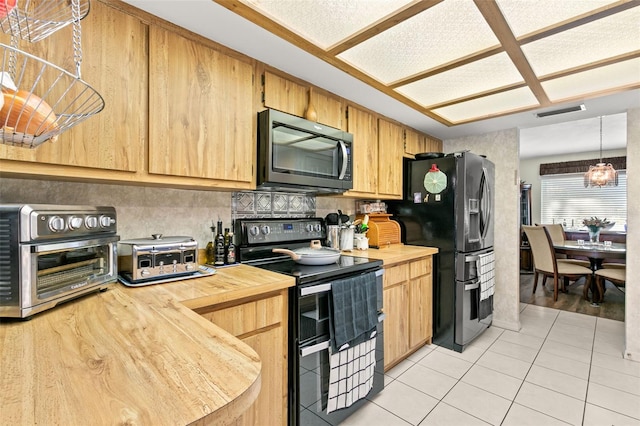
(40, 100)
(34, 20)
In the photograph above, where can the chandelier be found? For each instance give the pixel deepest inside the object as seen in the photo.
(601, 174)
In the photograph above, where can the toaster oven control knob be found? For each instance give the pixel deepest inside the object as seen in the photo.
(106, 221)
(309, 227)
(75, 222)
(91, 222)
(56, 224)
(318, 227)
(266, 230)
(254, 230)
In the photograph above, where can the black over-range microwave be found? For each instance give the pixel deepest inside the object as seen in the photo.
(295, 154)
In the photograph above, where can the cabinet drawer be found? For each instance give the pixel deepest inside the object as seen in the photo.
(396, 274)
(420, 267)
(248, 317)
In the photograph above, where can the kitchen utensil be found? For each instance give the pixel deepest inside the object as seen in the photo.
(333, 236)
(315, 254)
(346, 238)
(331, 219)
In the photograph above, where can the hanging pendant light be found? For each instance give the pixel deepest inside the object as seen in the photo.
(601, 174)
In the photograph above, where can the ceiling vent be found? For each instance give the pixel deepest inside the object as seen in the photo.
(580, 107)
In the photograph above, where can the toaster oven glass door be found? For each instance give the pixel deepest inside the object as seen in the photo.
(67, 267)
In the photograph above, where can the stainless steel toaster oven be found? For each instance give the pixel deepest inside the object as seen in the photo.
(53, 253)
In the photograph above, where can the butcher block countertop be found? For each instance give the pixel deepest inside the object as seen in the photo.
(395, 253)
(135, 356)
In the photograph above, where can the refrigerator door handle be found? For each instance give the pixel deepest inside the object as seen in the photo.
(485, 204)
(475, 284)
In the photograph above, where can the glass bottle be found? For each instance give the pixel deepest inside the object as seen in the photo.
(219, 247)
(231, 251)
(210, 251)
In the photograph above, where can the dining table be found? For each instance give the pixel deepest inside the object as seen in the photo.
(596, 253)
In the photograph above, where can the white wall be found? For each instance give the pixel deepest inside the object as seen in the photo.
(502, 148)
(530, 172)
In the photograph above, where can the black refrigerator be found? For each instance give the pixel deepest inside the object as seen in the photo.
(448, 203)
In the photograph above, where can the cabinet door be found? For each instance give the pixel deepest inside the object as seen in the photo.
(202, 119)
(271, 403)
(432, 145)
(262, 324)
(390, 151)
(285, 95)
(420, 309)
(293, 98)
(114, 63)
(364, 127)
(396, 324)
(414, 142)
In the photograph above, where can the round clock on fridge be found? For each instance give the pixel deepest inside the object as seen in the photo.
(435, 181)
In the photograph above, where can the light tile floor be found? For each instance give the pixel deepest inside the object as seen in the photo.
(561, 368)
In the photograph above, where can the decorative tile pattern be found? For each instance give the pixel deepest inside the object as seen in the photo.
(250, 204)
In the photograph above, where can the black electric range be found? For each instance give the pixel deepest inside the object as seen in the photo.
(309, 307)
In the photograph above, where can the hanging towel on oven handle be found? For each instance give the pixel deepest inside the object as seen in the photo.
(353, 309)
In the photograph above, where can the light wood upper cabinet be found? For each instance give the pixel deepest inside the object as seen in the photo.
(202, 121)
(364, 127)
(390, 152)
(114, 63)
(432, 145)
(414, 142)
(293, 98)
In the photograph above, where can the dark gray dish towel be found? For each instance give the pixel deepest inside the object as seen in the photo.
(353, 306)
(485, 307)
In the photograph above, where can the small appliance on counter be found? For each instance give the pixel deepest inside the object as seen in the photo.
(150, 260)
(54, 253)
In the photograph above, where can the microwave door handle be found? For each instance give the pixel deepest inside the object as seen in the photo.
(345, 159)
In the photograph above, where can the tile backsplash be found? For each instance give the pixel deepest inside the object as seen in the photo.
(143, 211)
(250, 204)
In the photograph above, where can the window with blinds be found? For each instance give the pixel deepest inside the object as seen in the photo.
(564, 199)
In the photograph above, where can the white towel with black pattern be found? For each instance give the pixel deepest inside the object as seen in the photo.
(351, 375)
(486, 274)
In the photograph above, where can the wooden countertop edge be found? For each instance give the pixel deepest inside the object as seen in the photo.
(394, 254)
(170, 308)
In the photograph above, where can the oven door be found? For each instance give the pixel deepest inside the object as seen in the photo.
(312, 356)
(64, 270)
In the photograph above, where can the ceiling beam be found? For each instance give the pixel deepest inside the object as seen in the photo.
(496, 20)
(576, 21)
(408, 11)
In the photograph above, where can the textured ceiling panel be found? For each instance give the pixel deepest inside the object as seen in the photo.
(326, 22)
(526, 16)
(490, 73)
(447, 31)
(592, 42)
(482, 108)
(604, 78)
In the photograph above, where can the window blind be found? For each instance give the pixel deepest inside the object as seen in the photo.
(564, 199)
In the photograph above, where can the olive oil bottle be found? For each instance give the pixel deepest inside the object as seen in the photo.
(210, 250)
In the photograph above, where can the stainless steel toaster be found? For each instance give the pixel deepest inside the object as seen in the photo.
(158, 257)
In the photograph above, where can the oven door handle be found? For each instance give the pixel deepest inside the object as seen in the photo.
(323, 288)
(315, 348)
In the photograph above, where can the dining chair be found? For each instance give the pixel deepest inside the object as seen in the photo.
(546, 264)
(616, 274)
(556, 232)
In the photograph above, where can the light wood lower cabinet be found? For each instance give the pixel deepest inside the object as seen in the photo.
(261, 323)
(408, 308)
